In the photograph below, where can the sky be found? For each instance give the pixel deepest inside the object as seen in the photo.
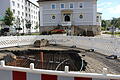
(34, 1)
(108, 8)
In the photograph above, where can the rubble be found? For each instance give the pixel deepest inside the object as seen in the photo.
(41, 43)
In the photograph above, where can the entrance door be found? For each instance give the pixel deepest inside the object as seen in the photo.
(67, 17)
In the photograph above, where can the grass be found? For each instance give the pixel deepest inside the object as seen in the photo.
(116, 33)
(31, 34)
(35, 33)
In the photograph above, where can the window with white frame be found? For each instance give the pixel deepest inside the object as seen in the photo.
(22, 13)
(71, 5)
(26, 8)
(29, 15)
(18, 5)
(62, 6)
(53, 16)
(22, 7)
(81, 16)
(81, 5)
(13, 3)
(14, 11)
(53, 6)
(22, 0)
(18, 12)
(26, 14)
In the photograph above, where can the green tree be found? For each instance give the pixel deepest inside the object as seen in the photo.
(108, 23)
(115, 22)
(118, 23)
(8, 19)
(36, 27)
(103, 24)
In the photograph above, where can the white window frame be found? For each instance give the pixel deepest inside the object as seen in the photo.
(13, 3)
(71, 3)
(82, 16)
(14, 11)
(18, 5)
(61, 4)
(82, 5)
(53, 4)
(18, 12)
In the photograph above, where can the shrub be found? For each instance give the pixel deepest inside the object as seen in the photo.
(57, 31)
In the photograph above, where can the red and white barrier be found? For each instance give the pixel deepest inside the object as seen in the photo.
(15, 75)
(18, 73)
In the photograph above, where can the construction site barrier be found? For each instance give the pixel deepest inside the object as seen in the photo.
(19, 73)
(106, 45)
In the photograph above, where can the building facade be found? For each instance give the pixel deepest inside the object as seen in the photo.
(99, 18)
(79, 15)
(26, 14)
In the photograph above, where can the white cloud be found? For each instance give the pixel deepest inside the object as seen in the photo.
(109, 9)
(34, 1)
(114, 9)
(105, 4)
(99, 9)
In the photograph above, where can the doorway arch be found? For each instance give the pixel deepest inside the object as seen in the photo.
(67, 18)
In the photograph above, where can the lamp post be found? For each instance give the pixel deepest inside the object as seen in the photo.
(23, 24)
(18, 28)
(28, 26)
(113, 31)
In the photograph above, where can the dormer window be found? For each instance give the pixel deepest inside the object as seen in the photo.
(53, 6)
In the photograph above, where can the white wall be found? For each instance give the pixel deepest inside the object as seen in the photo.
(4, 4)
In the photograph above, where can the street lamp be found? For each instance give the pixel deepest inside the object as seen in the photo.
(113, 31)
(28, 26)
(18, 28)
(22, 25)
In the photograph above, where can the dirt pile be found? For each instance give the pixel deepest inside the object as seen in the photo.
(41, 43)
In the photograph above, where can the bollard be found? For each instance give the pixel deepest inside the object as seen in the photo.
(2, 63)
(105, 70)
(66, 68)
(32, 66)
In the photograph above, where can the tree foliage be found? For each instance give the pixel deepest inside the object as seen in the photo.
(8, 19)
(115, 22)
(37, 26)
(103, 23)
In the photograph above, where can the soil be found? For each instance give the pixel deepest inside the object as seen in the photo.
(96, 61)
